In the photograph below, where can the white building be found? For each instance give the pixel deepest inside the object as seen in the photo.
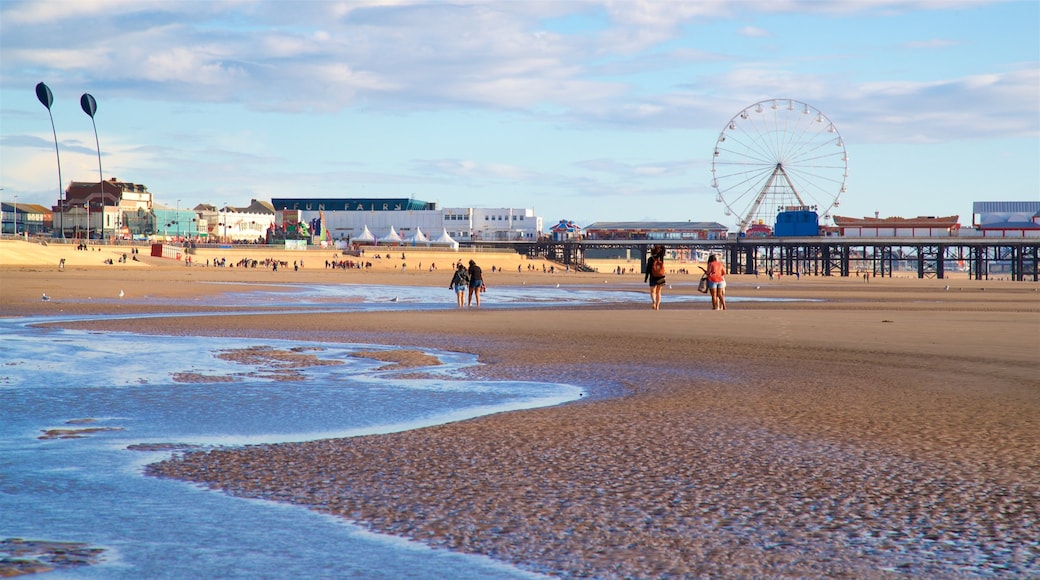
(497, 224)
(1007, 219)
(347, 218)
(247, 224)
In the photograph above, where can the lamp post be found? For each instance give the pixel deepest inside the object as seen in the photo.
(43, 93)
(224, 237)
(89, 106)
(177, 220)
(16, 215)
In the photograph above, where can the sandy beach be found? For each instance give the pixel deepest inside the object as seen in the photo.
(867, 429)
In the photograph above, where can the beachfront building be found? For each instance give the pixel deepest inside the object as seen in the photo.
(385, 219)
(898, 227)
(235, 225)
(667, 231)
(24, 218)
(495, 224)
(93, 209)
(565, 230)
(174, 224)
(1007, 219)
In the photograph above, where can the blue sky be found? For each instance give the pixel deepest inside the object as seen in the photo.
(583, 110)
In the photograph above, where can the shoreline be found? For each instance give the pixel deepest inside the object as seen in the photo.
(891, 428)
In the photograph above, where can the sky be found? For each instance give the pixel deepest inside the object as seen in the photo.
(582, 110)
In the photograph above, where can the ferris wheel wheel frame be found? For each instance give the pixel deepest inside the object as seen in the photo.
(777, 154)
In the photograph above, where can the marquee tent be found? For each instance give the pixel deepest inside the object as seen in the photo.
(391, 238)
(418, 238)
(366, 237)
(445, 240)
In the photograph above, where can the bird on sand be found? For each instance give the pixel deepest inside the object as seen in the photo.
(45, 298)
(121, 293)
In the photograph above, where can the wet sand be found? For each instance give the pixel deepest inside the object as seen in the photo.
(891, 428)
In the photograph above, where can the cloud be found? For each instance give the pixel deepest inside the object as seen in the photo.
(973, 107)
(753, 32)
(626, 171)
(933, 43)
(469, 169)
(321, 57)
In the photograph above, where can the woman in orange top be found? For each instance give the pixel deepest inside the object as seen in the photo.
(716, 283)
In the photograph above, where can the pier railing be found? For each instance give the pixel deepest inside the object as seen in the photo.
(981, 258)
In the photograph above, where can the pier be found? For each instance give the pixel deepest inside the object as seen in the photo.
(981, 258)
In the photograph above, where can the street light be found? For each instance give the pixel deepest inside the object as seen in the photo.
(43, 93)
(89, 106)
(178, 219)
(16, 215)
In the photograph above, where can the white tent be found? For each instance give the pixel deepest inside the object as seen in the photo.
(418, 238)
(445, 240)
(391, 238)
(366, 237)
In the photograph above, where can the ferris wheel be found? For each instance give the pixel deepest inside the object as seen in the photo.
(778, 154)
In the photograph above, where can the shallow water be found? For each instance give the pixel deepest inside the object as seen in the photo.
(376, 298)
(91, 489)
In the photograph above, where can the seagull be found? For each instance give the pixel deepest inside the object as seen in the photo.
(947, 287)
(557, 284)
(758, 287)
(120, 292)
(45, 298)
(394, 299)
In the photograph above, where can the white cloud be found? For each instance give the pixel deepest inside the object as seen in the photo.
(753, 32)
(469, 169)
(933, 43)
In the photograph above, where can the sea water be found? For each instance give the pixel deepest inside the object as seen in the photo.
(122, 386)
(130, 391)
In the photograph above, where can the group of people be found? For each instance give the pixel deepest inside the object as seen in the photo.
(655, 276)
(471, 278)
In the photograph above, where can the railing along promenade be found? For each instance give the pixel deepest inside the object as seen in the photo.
(982, 258)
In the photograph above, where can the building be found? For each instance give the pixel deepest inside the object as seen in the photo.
(1007, 219)
(670, 231)
(898, 227)
(495, 224)
(99, 210)
(249, 224)
(25, 218)
(797, 222)
(348, 218)
(565, 230)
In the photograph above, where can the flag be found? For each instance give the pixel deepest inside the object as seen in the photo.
(325, 235)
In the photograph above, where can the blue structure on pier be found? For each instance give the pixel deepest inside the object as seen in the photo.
(801, 223)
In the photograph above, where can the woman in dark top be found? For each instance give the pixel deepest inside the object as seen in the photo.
(459, 283)
(476, 282)
(655, 276)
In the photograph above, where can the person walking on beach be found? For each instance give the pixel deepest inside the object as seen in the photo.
(476, 282)
(459, 282)
(716, 283)
(655, 276)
